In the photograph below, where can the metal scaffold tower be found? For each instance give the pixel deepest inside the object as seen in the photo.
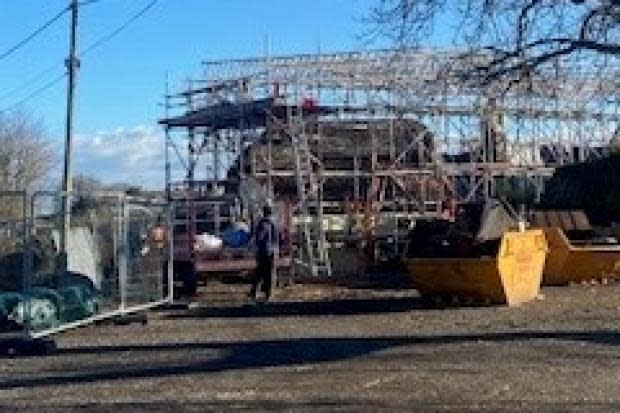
(388, 134)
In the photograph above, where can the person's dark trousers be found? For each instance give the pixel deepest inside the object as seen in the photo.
(264, 267)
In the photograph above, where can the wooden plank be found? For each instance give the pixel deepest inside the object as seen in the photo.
(234, 265)
(566, 220)
(582, 223)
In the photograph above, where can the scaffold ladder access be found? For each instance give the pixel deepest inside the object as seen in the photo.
(314, 255)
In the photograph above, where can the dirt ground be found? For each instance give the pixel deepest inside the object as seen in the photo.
(339, 350)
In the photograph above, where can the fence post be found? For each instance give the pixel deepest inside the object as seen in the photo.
(170, 268)
(27, 260)
(124, 253)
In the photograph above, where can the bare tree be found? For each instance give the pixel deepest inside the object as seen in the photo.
(26, 158)
(518, 35)
(84, 184)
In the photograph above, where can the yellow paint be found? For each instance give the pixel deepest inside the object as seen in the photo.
(512, 278)
(570, 263)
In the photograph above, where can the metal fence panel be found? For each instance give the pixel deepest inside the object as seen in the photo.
(116, 261)
(146, 252)
(13, 263)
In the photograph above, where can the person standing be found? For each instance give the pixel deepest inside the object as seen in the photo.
(266, 238)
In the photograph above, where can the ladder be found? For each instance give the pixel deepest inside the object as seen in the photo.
(314, 255)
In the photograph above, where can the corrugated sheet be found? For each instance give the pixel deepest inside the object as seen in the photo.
(566, 220)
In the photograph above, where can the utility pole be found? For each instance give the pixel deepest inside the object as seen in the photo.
(72, 64)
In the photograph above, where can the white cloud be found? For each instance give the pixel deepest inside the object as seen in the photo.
(134, 156)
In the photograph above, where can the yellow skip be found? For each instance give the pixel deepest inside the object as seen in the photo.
(573, 263)
(512, 278)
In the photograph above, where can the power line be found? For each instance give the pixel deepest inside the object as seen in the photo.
(89, 49)
(88, 2)
(118, 30)
(25, 84)
(37, 92)
(32, 35)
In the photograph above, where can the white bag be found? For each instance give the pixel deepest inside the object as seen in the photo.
(208, 242)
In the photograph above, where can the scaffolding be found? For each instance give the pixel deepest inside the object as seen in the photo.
(384, 135)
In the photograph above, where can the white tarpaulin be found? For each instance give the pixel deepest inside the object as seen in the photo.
(82, 255)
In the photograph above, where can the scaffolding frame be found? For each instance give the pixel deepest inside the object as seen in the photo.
(422, 131)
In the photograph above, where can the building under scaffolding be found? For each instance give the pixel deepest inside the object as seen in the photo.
(358, 144)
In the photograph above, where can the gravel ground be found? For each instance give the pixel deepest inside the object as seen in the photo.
(338, 350)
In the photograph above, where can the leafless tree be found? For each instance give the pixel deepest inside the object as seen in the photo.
(84, 184)
(26, 158)
(519, 36)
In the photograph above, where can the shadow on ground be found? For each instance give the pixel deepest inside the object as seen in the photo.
(307, 308)
(387, 278)
(232, 356)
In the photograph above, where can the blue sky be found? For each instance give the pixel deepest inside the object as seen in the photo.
(121, 83)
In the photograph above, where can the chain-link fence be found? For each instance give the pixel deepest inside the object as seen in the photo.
(107, 256)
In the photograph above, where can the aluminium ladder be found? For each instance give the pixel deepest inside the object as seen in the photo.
(314, 255)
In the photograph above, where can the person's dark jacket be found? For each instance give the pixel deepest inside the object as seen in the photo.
(266, 237)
